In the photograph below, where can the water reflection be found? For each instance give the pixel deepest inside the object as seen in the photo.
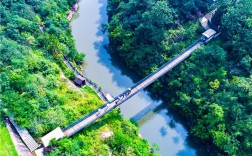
(171, 140)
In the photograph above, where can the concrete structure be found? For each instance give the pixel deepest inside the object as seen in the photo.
(108, 96)
(20, 147)
(206, 21)
(55, 134)
(210, 15)
(209, 33)
(39, 152)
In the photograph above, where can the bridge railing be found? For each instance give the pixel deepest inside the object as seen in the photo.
(84, 117)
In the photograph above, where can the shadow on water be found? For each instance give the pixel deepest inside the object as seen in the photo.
(172, 118)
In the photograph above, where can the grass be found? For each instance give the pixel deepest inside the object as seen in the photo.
(6, 145)
(91, 92)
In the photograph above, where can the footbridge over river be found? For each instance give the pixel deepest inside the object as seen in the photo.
(118, 100)
(121, 98)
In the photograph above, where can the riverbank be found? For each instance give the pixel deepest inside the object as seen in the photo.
(102, 94)
(105, 96)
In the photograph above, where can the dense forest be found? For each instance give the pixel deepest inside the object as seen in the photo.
(212, 89)
(34, 37)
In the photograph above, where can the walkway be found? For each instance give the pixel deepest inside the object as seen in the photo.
(101, 111)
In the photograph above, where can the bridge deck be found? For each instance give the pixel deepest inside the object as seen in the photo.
(107, 107)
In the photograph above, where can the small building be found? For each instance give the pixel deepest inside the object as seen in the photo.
(108, 96)
(206, 21)
(208, 35)
(55, 134)
(79, 81)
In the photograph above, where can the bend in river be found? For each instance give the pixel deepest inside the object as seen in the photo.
(108, 72)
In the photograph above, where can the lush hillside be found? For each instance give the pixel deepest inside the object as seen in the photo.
(34, 36)
(212, 89)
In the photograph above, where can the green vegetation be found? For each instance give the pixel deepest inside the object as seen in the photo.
(34, 37)
(211, 89)
(125, 140)
(7, 148)
(91, 142)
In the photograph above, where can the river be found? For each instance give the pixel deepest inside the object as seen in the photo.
(156, 123)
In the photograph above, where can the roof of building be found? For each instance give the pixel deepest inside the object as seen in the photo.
(204, 23)
(79, 80)
(209, 33)
(55, 134)
(210, 15)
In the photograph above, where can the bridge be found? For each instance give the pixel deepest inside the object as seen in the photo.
(112, 103)
(118, 100)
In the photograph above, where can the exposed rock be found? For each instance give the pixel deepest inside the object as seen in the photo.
(106, 134)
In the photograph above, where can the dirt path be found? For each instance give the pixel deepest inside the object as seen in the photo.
(70, 84)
